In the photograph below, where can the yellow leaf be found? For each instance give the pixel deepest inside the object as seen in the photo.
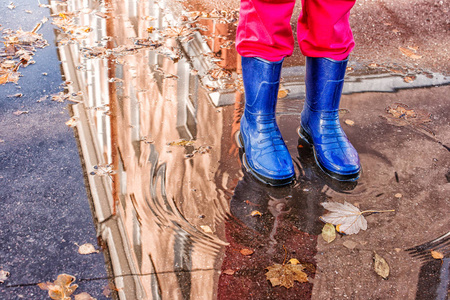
(255, 213)
(380, 266)
(349, 122)
(294, 261)
(246, 252)
(437, 254)
(282, 93)
(328, 233)
(285, 275)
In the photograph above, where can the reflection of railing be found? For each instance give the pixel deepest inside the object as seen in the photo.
(360, 82)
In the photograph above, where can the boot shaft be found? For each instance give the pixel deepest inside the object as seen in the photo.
(261, 83)
(324, 83)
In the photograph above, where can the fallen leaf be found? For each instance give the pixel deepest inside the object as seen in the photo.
(61, 289)
(397, 250)
(380, 266)
(255, 213)
(328, 233)
(182, 143)
(3, 275)
(294, 261)
(285, 275)
(228, 272)
(72, 122)
(246, 252)
(398, 195)
(349, 122)
(349, 245)
(282, 93)
(206, 228)
(18, 95)
(409, 79)
(11, 5)
(84, 296)
(347, 217)
(21, 112)
(437, 254)
(86, 249)
(409, 52)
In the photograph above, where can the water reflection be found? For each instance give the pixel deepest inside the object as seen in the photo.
(161, 102)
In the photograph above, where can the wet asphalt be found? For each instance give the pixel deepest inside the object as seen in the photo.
(44, 207)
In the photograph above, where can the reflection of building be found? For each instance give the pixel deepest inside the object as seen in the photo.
(169, 200)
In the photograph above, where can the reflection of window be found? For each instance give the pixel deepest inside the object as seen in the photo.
(133, 12)
(137, 241)
(123, 183)
(187, 102)
(135, 122)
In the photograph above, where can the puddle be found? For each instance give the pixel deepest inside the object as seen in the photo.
(159, 100)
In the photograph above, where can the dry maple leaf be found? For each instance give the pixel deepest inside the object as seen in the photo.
(61, 289)
(347, 217)
(286, 274)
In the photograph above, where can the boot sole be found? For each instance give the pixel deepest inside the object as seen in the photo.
(340, 177)
(263, 179)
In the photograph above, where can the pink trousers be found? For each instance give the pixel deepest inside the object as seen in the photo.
(323, 29)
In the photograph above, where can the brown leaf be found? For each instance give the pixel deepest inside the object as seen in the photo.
(285, 275)
(328, 233)
(61, 288)
(380, 266)
(247, 252)
(229, 272)
(437, 254)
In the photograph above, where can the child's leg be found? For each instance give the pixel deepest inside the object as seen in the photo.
(324, 30)
(264, 29)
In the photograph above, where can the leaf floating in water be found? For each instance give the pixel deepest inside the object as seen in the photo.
(174, 32)
(282, 93)
(182, 143)
(437, 254)
(286, 274)
(206, 228)
(349, 122)
(410, 52)
(380, 266)
(61, 288)
(255, 213)
(328, 233)
(246, 252)
(347, 217)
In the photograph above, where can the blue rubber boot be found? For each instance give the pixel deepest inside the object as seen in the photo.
(265, 154)
(320, 125)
